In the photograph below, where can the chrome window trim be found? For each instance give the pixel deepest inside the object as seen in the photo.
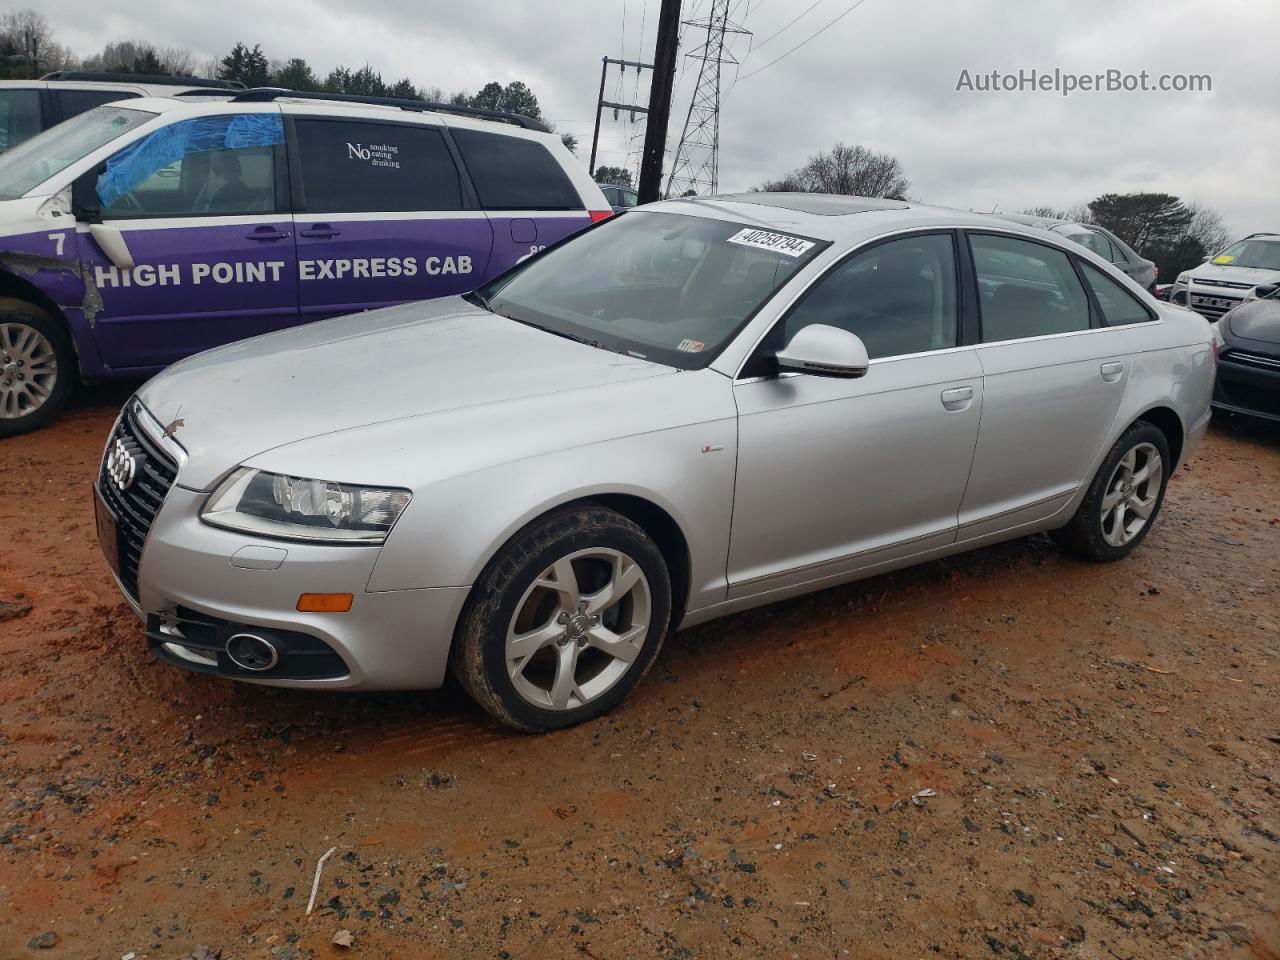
(738, 378)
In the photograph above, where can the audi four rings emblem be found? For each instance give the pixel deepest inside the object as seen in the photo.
(121, 466)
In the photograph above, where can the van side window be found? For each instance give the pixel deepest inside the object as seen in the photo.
(513, 173)
(73, 102)
(209, 166)
(349, 166)
(20, 117)
(1119, 306)
(1026, 289)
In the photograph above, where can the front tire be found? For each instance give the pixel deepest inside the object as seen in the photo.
(1124, 498)
(565, 620)
(37, 367)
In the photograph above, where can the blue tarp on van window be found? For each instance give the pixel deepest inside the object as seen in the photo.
(139, 160)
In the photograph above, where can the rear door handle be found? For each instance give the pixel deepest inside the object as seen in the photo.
(957, 398)
(267, 234)
(1111, 370)
(320, 231)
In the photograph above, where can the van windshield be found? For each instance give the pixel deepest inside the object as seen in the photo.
(667, 287)
(47, 154)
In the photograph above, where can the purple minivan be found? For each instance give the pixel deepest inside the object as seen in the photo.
(137, 234)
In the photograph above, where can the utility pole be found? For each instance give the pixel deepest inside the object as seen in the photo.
(696, 167)
(601, 102)
(664, 74)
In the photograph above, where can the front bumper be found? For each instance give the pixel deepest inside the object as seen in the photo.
(192, 595)
(1248, 383)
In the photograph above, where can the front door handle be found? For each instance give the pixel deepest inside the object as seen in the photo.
(321, 231)
(1112, 370)
(267, 234)
(957, 398)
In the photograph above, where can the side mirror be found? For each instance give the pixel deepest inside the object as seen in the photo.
(825, 351)
(1265, 290)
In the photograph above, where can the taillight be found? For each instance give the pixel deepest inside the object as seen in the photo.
(598, 215)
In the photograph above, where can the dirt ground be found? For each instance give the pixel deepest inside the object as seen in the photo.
(1099, 745)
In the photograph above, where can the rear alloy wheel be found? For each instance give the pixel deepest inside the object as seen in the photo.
(35, 364)
(1124, 498)
(565, 620)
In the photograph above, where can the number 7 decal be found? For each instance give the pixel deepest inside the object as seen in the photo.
(58, 239)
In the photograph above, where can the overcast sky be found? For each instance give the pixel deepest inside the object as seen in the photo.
(884, 75)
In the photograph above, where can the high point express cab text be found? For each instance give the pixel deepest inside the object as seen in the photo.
(137, 234)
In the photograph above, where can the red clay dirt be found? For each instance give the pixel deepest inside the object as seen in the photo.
(1100, 743)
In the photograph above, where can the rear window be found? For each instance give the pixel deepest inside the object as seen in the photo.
(511, 173)
(354, 167)
(19, 116)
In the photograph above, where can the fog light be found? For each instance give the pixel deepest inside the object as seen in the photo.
(324, 602)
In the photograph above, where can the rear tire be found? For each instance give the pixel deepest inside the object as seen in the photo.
(37, 367)
(1124, 498)
(565, 620)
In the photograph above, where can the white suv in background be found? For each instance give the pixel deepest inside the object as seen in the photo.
(1230, 278)
(30, 106)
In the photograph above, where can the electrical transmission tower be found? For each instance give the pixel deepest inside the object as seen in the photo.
(696, 168)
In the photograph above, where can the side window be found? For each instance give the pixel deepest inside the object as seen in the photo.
(209, 166)
(73, 102)
(629, 197)
(1026, 289)
(1119, 306)
(899, 297)
(1092, 240)
(515, 173)
(20, 117)
(1109, 251)
(349, 166)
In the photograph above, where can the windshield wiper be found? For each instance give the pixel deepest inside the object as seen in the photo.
(479, 299)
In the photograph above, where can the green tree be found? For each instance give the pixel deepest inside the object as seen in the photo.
(148, 63)
(406, 89)
(296, 74)
(367, 82)
(338, 80)
(1142, 219)
(616, 175)
(515, 97)
(569, 140)
(249, 66)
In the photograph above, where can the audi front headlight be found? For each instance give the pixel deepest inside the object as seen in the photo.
(300, 508)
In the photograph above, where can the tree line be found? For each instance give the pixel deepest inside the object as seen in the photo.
(28, 49)
(1175, 234)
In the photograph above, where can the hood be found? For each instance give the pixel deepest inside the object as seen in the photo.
(1250, 276)
(1257, 320)
(414, 360)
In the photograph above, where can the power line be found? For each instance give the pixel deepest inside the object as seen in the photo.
(789, 23)
(812, 36)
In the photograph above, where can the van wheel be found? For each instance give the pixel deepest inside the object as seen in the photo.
(1124, 499)
(565, 620)
(36, 367)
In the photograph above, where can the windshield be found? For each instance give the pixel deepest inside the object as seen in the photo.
(666, 287)
(34, 161)
(1262, 254)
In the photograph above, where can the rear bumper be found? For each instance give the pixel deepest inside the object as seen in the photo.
(193, 599)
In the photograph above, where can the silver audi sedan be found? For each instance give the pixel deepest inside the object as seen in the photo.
(687, 410)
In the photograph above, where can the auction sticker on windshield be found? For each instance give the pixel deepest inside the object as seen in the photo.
(777, 242)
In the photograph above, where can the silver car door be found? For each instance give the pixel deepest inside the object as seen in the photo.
(838, 474)
(1053, 382)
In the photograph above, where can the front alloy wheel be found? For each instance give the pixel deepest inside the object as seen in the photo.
(565, 620)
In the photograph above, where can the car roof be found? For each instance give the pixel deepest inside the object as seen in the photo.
(841, 219)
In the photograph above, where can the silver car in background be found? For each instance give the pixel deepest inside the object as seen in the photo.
(1101, 241)
(682, 412)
